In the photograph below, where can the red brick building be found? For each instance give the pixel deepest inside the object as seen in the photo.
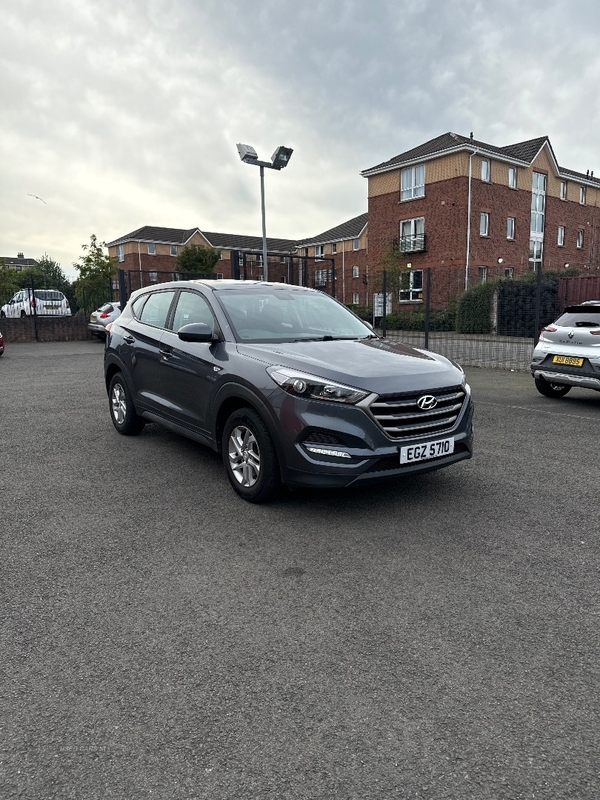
(471, 211)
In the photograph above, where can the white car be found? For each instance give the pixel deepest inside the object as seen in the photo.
(568, 352)
(47, 302)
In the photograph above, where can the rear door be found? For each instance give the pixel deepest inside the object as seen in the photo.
(140, 351)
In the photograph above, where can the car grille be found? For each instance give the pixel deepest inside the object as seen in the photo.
(401, 418)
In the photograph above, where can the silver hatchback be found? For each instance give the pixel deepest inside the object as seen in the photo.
(101, 317)
(568, 352)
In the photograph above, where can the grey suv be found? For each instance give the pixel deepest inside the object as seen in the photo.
(568, 352)
(287, 383)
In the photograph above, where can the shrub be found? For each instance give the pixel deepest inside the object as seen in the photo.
(474, 309)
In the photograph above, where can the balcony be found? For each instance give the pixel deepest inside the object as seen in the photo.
(412, 244)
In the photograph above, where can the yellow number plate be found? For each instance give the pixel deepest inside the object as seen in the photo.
(569, 361)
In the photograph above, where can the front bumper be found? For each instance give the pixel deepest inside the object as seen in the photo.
(370, 455)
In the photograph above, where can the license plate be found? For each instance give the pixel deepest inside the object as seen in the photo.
(51, 308)
(569, 361)
(423, 452)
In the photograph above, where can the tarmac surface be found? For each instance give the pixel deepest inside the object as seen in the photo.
(432, 638)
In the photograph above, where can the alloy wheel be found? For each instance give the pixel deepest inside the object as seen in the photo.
(244, 456)
(118, 404)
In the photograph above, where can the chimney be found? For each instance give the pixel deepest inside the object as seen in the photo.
(471, 135)
(20, 255)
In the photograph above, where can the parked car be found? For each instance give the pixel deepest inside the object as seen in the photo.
(568, 352)
(43, 302)
(287, 383)
(1, 343)
(102, 317)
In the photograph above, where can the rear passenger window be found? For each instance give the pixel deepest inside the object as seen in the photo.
(156, 309)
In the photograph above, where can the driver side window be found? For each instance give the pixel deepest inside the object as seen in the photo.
(192, 307)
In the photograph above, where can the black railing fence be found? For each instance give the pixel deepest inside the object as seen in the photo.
(487, 318)
(493, 322)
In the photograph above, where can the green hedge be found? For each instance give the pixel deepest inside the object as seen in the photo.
(443, 320)
(474, 309)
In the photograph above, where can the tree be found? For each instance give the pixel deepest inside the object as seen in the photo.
(51, 274)
(195, 258)
(9, 282)
(96, 270)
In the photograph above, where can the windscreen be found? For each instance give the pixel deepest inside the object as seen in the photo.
(580, 317)
(280, 315)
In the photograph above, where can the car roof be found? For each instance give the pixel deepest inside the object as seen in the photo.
(221, 285)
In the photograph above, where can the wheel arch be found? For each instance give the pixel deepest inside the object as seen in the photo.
(235, 396)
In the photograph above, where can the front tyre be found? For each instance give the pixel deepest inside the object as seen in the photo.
(122, 411)
(549, 389)
(249, 457)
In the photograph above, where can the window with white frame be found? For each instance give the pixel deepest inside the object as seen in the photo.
(485, 170)
(153, 276)
(561, 236)
(579, 239)
(319, 251)
(356, 272)
(483, 274)
(411, 286)
(151, 249)
(510, 227)
(333, 248)
(412, 235)
(219, 276)
(412, 182)
(582, 195)
(563, 190)
(356, 244)
(121, 252)
(173, 249)
(355, 298)
(509, 272)
(535, 254)
(484, 224)
(512, 177)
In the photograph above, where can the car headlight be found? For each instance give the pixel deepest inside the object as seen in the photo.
(301, 384)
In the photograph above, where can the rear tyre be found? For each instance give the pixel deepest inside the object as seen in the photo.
(122, 411)
(549, 389)
(249, 457)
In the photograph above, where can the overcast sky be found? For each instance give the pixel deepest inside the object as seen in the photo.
(123, 113)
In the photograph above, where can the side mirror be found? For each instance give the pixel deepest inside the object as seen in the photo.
(195, 332)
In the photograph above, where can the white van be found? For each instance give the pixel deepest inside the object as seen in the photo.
(48, 302)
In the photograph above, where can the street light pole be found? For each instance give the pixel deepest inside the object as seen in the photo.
(278, 161)
(264, 224)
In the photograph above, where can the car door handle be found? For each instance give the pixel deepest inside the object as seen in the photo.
(165, 353)
(128, 339)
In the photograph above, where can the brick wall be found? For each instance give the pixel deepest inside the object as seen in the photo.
(50, 329)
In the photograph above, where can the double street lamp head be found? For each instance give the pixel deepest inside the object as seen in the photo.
(278, 161)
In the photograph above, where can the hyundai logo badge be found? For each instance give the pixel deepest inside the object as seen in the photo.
(427, 402)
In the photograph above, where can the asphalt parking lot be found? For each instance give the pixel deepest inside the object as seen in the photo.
(435, 638)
